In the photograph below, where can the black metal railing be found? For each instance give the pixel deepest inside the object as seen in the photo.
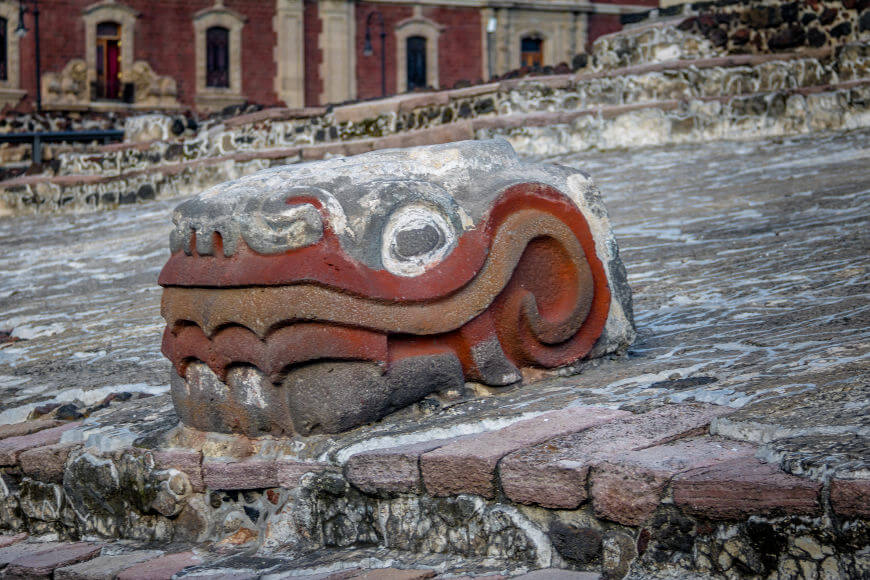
(38, 138)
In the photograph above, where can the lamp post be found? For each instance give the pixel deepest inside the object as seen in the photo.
(367, 48)
(21, 31)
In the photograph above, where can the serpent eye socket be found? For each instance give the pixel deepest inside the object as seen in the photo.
(416, 237)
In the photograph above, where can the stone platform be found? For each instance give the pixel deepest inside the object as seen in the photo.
(730, 441)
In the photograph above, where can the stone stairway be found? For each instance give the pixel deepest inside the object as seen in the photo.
(742, 97)
(659, 83)
(650, 491)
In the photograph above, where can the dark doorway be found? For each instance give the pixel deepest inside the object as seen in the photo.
(532, 52)
(416, 63)
(217, 50)
(108, 60)
(3, 49)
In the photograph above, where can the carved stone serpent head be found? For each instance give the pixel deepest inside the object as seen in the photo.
(317, 297)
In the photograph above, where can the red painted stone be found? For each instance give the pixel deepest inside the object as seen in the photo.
(627, 487)
(744, 487)
(184, 460)
(162, 568)
(42, 564)
(553, 474)
(851, 497)
(390, 470)
(47, 463)
(468, 465)
(12, 447)
(527, 279)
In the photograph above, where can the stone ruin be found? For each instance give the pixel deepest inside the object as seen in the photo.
(318, 297)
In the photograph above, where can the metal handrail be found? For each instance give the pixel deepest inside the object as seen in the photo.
(38, 138)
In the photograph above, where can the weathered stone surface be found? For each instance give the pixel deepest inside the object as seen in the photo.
(403, 282)
(251, 474)
(577, 545)
(11, 447)
(850, 498)
(17, 550)
(9, 539)
(395, 574)
(289, 473)
(104, 567)
(390, 469)
(468, 465)
(627, 487)
(162, 568)
(184, 460)
(558, 574)
(27, 427)
(745, 487)
(553, 474)
(42, 564)
(46, 463)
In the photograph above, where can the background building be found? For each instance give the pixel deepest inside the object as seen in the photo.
(209, 54)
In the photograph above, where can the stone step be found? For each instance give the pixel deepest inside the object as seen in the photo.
(677, 79)
(41, 560)
(12, 447)
(778, 113)
(553, 474)
(105, 567)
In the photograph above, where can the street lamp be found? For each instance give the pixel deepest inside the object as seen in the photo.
(21, 31)
(367, 48)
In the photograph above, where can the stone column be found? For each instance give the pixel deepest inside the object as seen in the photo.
(338, 46)
(290, 52)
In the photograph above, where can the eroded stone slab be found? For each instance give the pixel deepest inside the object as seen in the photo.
(42, 564)
(553, 474)
(850, 498)
(390, 469)
(12, 447)
(628, 487)
(9, 539)
(743, 487)
(104, 567)
(27, 427)
(184, 460)
(46, 463)
(468, 465)
(162, 568)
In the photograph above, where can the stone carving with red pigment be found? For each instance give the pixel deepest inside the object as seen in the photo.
(317, 297)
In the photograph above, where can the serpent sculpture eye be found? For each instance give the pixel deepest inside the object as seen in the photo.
(416, 237)
(318, 297)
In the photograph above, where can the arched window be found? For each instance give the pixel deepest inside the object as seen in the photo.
(4, 53)
(531, 51)
(108, 60)
(416, 59)
(217, 55)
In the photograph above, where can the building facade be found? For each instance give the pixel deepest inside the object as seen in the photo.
(205, 55)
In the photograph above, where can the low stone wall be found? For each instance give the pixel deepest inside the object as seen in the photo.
(695, 503)
(703, 29)
(775, 113)
(714, 77)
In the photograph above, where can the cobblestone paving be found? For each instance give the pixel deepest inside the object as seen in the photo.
(749, 264)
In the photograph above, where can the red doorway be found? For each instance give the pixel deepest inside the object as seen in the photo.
(108, 60)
